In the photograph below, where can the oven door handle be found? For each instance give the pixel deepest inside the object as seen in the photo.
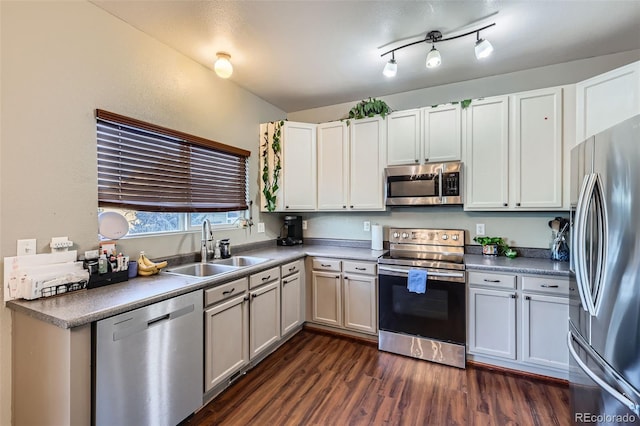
(405, 272)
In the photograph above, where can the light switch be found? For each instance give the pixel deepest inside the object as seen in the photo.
(260, 226)
(304, 225)
(26, 247)
(367, 226)
(479, 228)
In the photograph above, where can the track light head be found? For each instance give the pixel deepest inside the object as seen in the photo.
(433, 58)
(391, 68)
(483, 48)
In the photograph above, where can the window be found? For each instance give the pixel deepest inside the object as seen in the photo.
(163, 180)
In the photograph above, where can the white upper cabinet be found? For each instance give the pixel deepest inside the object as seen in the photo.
(441, 133)
(403, 137)
(333, 166)
(367, 161)
(606, 100)
(513, 152)
(299, 166)
(537, 148)
(487, 154)
(430, 134)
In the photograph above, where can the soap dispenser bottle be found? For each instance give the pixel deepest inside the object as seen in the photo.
(216, 252)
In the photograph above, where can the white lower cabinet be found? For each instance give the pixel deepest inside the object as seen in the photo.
(291, 303)
(493, 329)
(327, 298)
(519, 322)
(344, 295)
(226, 327)
(264, 317)
(544, 330)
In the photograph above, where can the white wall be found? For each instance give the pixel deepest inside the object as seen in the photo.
(60, 61)
(520, 229)
(535, 78)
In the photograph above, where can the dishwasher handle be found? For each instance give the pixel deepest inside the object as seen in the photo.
(146, 324)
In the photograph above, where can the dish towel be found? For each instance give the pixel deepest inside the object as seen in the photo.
(417, 281)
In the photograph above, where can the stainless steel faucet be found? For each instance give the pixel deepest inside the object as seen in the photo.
(207, 236)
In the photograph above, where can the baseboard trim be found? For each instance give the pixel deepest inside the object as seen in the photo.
(524, 374)
(373, 340)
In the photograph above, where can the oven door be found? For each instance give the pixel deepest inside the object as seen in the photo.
(439, 313)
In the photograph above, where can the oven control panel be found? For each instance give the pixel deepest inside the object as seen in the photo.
(445, 237)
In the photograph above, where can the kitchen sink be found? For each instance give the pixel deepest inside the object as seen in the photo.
(240, 261)
(203, 269)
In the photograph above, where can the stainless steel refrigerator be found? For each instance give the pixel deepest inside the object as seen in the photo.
(604, 323)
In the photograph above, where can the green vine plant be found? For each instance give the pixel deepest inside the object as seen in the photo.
(368, 108)
(270, 183)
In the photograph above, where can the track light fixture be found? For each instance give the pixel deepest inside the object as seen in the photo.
(391, 68)
(223, 66)
(482, 49)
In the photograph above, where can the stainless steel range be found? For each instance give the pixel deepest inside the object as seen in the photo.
(429, 325)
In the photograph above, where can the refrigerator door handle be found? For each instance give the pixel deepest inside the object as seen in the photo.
(591, 287)
(623, 398)
(579, 243)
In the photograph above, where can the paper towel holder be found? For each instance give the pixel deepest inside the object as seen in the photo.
(376, 237)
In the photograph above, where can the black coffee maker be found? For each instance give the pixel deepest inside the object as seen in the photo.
(291, 231)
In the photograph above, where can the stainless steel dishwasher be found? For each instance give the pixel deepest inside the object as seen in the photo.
(149, 364)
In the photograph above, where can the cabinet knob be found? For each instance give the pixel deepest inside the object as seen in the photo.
(284, 282)
(351, 206)
(527, 298)
(286, 207)
(504, 204)
(416, 160)
(337, 276)
(253, 295)
(426, 159)
(517, 204)
(344, 207)
(513, 296)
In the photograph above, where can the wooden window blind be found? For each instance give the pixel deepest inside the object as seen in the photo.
(146, 167)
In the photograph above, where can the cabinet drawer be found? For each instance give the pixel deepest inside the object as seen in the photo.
(552, 285)
(264, 277)
(365, 268)
(492, 280)
(291, 268)
(327, 265)
(221, 292)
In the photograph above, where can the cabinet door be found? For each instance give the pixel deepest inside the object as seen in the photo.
(487, 154)
(264, 317)
(226, 328)
(360, 303)
(326, 298)
(544, 330)
(299, 166)
(537, 142)
(492, 323)
(367, 161)
(442, 133)
(403, 137)
(606, 100)
(333, 166)
(291, 302)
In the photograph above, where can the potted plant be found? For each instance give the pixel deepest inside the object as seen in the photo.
(494, 246)
(368, 108)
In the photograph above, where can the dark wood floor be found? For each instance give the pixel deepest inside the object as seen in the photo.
(318, 379)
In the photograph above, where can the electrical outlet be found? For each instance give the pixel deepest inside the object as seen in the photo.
(260, 226)
(26, 247)
(479, 228)
(367, 226)
(304, 225)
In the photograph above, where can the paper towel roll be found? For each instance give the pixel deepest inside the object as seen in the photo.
(376, 237)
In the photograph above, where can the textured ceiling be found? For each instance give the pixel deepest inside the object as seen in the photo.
(304, 54)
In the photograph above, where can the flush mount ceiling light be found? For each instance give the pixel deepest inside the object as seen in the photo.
(482, 49)
(391, 68)
(223, 66)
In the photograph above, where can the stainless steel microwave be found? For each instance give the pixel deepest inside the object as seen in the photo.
(424, 185)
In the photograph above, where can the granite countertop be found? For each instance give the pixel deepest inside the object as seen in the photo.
(85, 306)
(520, 265)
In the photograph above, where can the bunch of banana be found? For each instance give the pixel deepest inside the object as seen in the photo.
(147, 267)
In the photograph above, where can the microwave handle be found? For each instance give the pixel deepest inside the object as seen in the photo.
(440, 184)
